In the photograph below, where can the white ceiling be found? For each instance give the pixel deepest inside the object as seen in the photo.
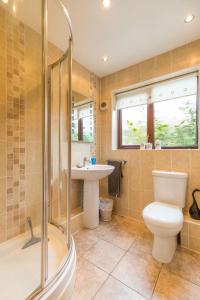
(129, 32)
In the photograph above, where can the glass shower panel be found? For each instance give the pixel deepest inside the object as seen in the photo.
(58, 206)
(58, 59)
(21, 163)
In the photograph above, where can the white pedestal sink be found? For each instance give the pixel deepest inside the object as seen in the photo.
(91, 175)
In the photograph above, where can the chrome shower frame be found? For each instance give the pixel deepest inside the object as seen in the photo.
(58, 63)
(46, 283)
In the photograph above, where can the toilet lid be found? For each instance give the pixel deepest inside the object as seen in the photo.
(163, 215)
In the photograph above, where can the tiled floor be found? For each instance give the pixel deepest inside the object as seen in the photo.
(115, 262)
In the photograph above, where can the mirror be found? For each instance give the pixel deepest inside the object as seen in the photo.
(82, 118)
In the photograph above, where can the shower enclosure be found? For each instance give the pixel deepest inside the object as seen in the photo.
(37, 253)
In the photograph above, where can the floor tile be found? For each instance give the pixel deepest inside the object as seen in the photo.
(116, 235)
(123, 239)
(115, 290)
(143, 243)
(104, 255)
(139, 272)
(88, 280)
(136, 273)
(172, 287)
(106, 231)
(84, 240)
(117, 220)
(133, 226)
(185, 264)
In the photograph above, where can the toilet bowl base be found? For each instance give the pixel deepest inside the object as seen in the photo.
(164, 248)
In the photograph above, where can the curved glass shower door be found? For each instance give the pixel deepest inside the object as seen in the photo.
(35, 141)
(21, 166)
(58, 204)
(60, 133)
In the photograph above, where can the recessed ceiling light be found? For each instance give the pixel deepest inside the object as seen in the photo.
(105, 58)
(5, 1)
(189, 18)
(106, 3)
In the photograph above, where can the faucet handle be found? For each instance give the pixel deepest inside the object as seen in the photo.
(85, 160)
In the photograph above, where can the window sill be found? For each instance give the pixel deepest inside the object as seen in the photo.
(163, 148)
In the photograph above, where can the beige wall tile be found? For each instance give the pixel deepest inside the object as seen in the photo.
(2, 196)
(195, 160)
(184, 241)
(2, 83)
(148, 159)
(35, 212)
(194, 181)
(180, 160)
(135, 202)
(148, 197)
(2, 122)
(194, 230)
(33, 128)
(135, 178)
(2, 159)
(185, 229)
(162, 64)
(2, 228)
(194, 243)
(146, 69)
(140, 163)
(180, 58)
(193, 49)
(34, 156)
(34, 190)
(147, 179)
(163, 160)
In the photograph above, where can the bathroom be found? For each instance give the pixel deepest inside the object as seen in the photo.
(99, 99)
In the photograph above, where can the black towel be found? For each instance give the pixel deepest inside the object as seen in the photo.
(114, 179)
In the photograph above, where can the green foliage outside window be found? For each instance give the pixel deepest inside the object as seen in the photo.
(182, 134)
(134, 135)
(170, 135)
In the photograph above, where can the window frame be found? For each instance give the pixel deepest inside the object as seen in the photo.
(150, 125)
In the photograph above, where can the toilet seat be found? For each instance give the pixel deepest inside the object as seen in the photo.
(163, 215)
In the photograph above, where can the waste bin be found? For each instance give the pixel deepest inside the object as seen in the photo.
(106, 207)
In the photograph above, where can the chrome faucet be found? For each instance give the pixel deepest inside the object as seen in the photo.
(85, 161)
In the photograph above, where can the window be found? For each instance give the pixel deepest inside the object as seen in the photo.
(82, 122)
(165, 111)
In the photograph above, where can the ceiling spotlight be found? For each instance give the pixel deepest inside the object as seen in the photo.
(5, 1)
(105, 58)
(106, 3)
(189, 19)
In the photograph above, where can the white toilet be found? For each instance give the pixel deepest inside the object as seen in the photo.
(164, 217)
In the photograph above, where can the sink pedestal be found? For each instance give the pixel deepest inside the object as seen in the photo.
(91, 175)
(91, 204)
